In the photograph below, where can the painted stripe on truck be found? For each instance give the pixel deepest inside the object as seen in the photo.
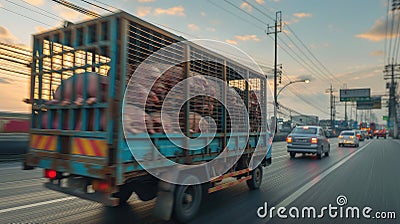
(89, 147)
(44, 142)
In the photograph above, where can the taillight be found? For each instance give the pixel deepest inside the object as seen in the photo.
(102, 186)
(358, 136)
(289, 139)
(50, 173)
(340, 136)
(314, 140)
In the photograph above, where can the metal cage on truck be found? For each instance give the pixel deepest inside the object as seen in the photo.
(87, 141)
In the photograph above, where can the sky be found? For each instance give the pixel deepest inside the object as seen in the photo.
(338, 42)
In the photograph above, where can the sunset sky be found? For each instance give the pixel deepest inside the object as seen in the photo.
(346, 39)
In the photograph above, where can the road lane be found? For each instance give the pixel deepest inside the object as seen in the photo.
(282, 178)
(369, 179)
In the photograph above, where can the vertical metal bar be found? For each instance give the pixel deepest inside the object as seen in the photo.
(124, 67)
(186, 55)
(112, 77)
(224, 112)
(33, 76)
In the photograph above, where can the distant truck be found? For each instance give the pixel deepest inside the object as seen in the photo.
(79, 77)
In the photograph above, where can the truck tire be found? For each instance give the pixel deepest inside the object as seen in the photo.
(256, 179)
(187, 201)
(124, 193)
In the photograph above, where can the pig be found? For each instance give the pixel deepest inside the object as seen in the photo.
(163, 126)
(136, 95)
(66, 94)
(133, 120)
(197, 124)
(93, 91)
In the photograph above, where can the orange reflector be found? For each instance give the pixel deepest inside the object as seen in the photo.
(50, 173)
(351, 137)
(314, 140)
(289, 139)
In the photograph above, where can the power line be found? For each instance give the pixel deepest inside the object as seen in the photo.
(256, 8)
(235, 15)
(106, 4)
(27, 17)
(46, 15)
(314, 66)
(312, 55)
(77, 8)
(34, 6)
(386, 31)
(97, 6)
(259, 20)
(297, 37)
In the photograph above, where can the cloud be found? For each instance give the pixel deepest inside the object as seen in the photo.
(35, 2)
(67, 13)
(193, 27)
(377, 53)
(203, 14)
(246, 6)
(211, 29)
(301, 15)
(260, 1)
(174, 11)
(248, 38)
(6, 36)
(4, 81)
(144, 1)
(215, 22)
(378, 31)
(234, 42)
(143, 11)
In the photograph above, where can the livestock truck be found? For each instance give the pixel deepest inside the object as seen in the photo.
(100, 136)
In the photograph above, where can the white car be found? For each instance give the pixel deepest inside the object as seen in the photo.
(348, 138)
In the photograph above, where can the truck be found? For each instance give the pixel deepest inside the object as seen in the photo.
(86, 127)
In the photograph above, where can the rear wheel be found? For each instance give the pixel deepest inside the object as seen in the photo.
(327, 152)
(187, 202)
(256, 179)
(124, 193)
(319, 153)
(292, 154)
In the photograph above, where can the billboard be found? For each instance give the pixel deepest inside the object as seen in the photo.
(374, 103)
(353, 95)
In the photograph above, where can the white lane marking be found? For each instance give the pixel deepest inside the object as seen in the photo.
(22, 181)
(17, 168)
(287, 201)
(35, 204)
(276, 157)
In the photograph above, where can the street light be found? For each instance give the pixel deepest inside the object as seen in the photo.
(290, 83)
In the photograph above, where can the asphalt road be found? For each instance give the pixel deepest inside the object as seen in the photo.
(367, 176)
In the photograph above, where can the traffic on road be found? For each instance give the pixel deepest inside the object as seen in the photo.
(353, 172)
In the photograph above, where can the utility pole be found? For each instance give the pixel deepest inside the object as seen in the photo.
(332, 106)
(392, 73)
(277, 28)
